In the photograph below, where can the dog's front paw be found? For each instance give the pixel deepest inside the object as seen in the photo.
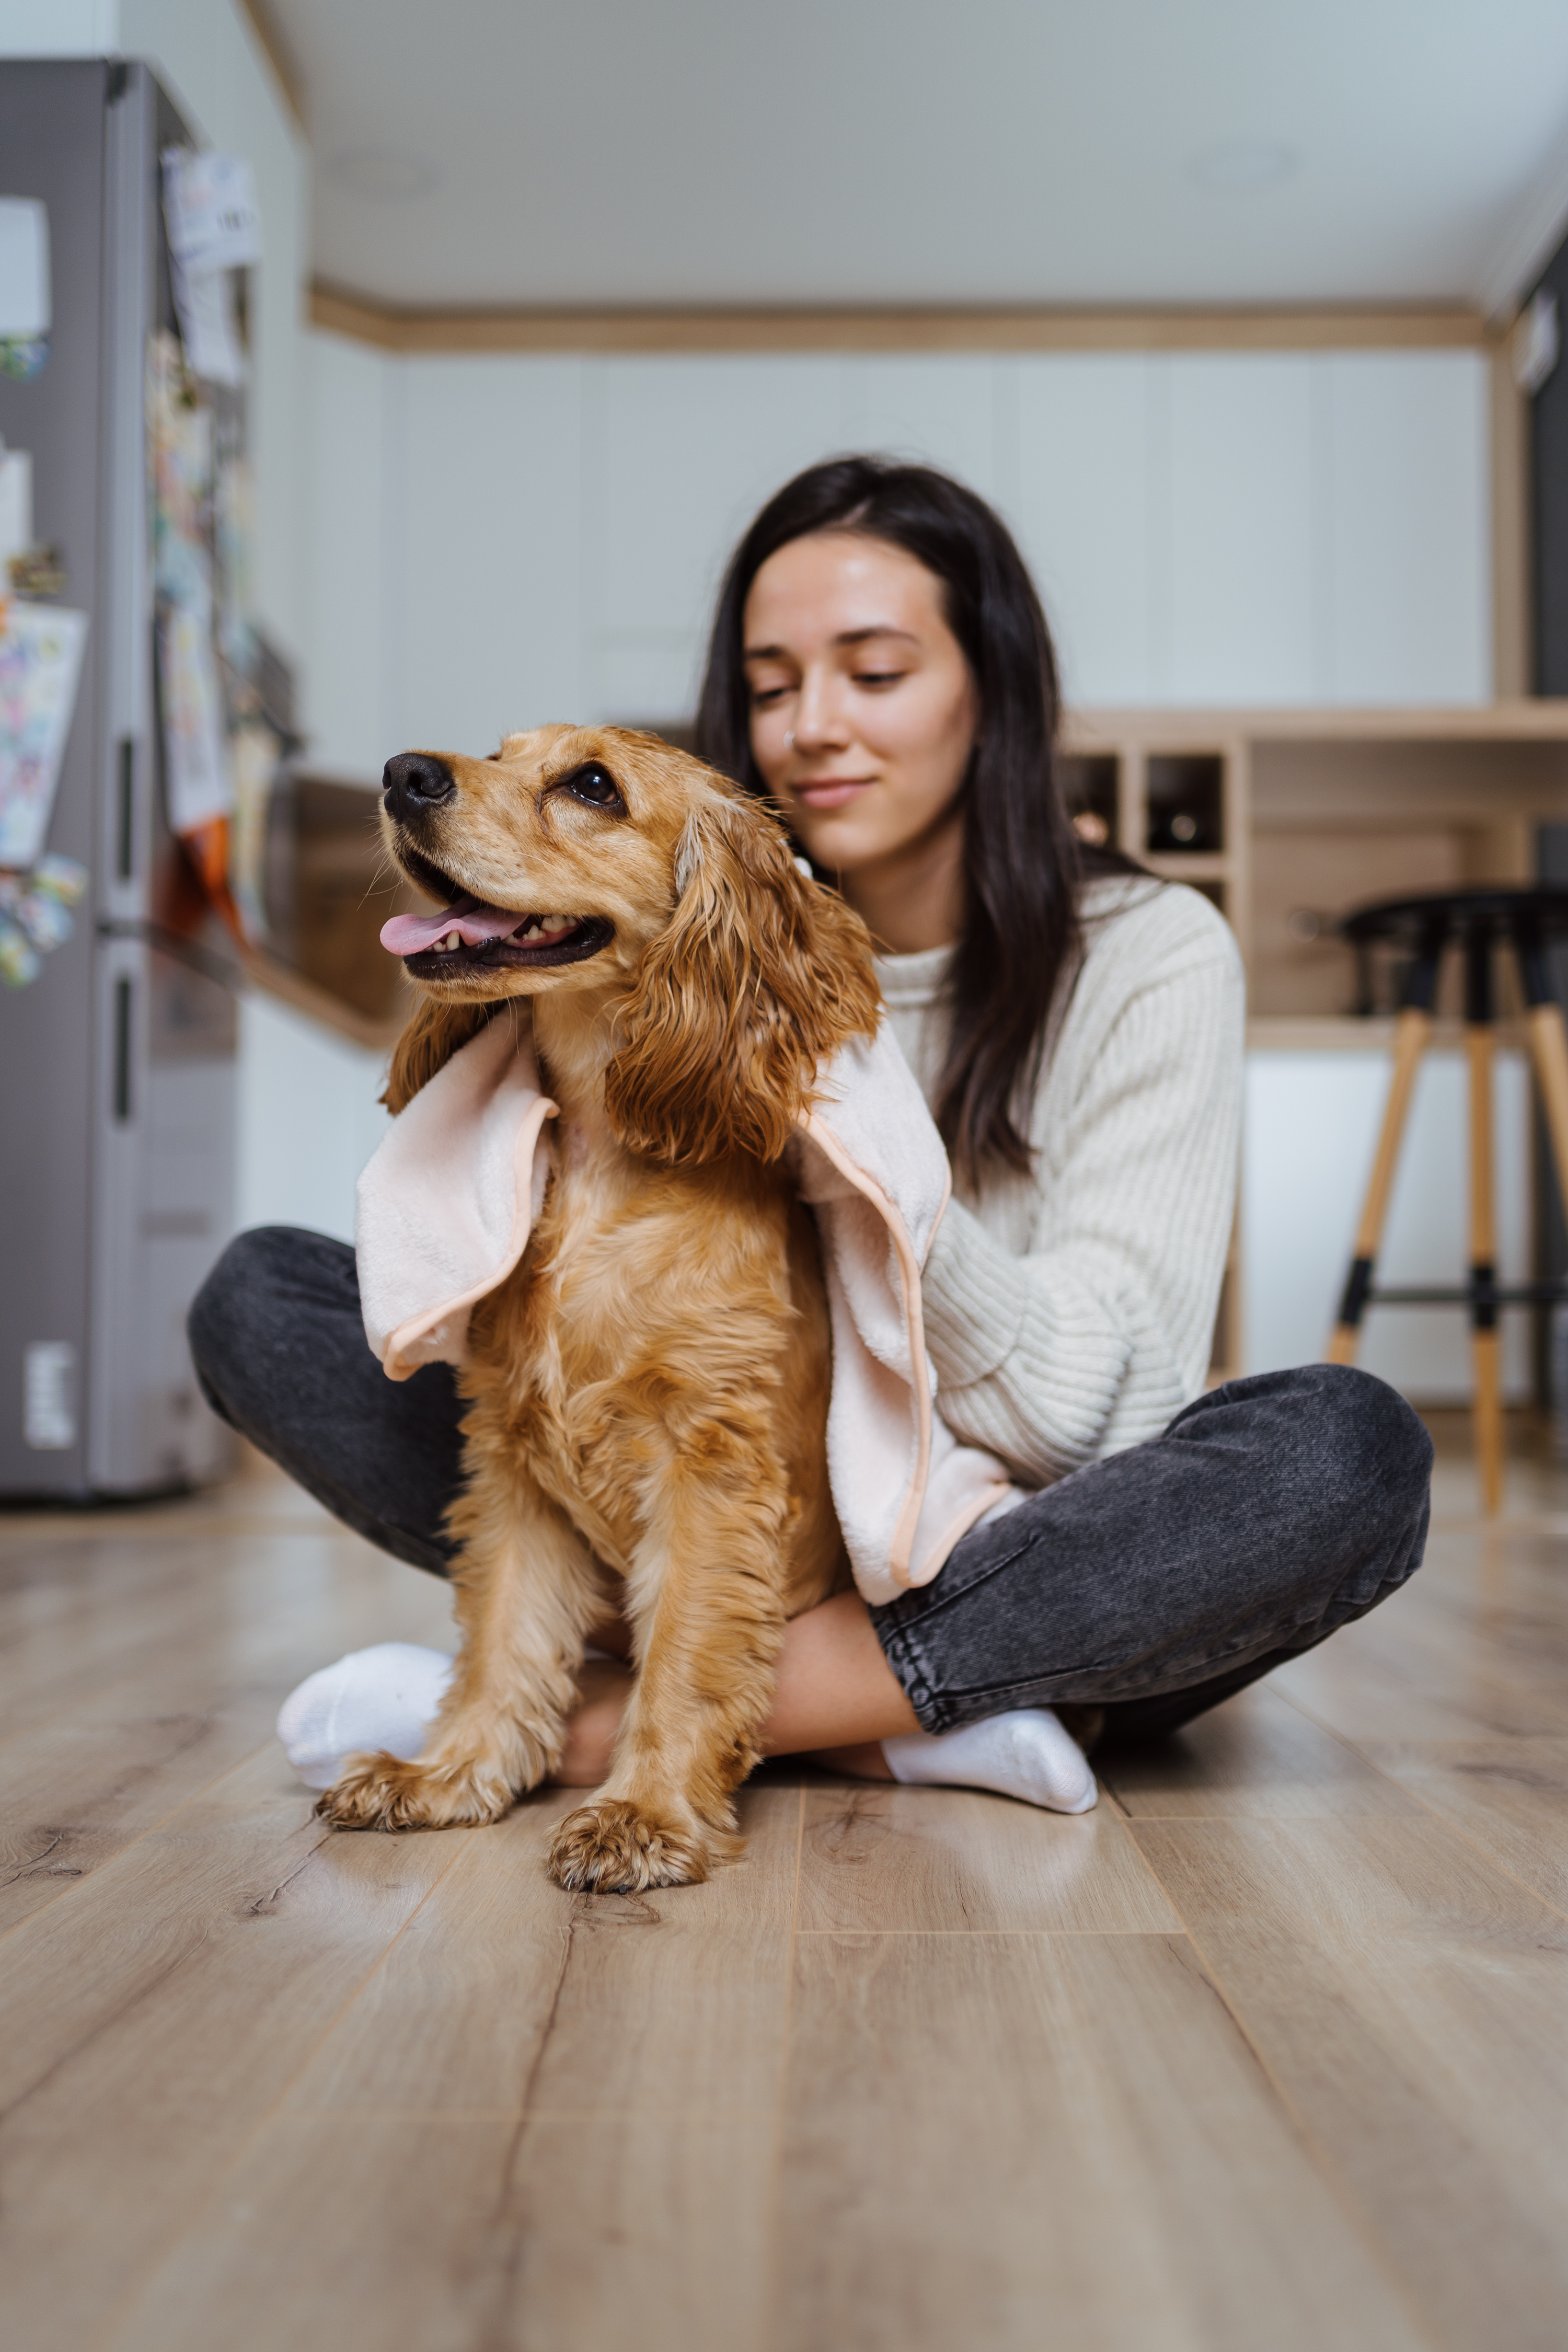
(384, 1792)
(612, 1847)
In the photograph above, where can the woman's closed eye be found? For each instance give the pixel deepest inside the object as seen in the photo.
(875, 677)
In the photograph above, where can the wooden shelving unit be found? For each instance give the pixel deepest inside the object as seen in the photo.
(1296, 817)
(1320, 810)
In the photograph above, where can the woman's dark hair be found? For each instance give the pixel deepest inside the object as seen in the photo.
(1023, 862)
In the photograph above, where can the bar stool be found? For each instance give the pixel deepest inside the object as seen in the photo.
(1474, 921)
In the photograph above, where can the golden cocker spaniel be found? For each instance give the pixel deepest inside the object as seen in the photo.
(648, 1393)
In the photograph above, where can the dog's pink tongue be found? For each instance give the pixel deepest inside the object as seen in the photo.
(407, 935)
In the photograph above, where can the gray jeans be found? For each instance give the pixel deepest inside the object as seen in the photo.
(1270, 1512)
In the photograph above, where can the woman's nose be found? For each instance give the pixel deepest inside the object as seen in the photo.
(818, 719)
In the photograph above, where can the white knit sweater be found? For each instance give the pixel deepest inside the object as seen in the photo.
(1070, 1313)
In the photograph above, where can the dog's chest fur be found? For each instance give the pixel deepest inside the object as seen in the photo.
(658, 1317)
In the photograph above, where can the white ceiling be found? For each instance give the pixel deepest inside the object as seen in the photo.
(884, 151)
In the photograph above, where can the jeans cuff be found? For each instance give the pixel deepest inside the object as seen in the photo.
(904, 1654)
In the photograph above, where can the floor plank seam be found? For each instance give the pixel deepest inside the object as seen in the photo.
(773, 2225)
(1358, 2219)
(1434, 1813)
(511, 2235)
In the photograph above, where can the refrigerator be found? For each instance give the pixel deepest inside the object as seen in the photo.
(117, 1089)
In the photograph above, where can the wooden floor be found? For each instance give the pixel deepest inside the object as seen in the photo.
(1271, 2050)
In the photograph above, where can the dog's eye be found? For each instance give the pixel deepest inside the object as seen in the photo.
(596, 785)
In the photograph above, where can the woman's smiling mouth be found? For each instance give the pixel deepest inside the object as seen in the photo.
(828, 791)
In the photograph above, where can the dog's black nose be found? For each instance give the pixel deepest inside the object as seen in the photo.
(414, 782)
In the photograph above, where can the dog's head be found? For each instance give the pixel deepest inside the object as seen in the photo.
(592, 858)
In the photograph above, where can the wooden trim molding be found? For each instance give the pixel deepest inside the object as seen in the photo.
(389, 329)
(1533, 719)
(273, 43)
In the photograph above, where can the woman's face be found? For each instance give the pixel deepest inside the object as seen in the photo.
(863, 709)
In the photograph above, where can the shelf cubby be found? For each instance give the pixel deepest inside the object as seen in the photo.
(1185, 805)
(1091, 784)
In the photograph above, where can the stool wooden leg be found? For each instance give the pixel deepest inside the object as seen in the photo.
(1487, 1410)
(1411, 1029)
(1549, 1049)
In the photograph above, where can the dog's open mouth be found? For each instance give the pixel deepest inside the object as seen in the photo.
(469, 936)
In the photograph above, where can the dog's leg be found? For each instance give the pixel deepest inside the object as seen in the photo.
(706, 1597)
(527, 1590)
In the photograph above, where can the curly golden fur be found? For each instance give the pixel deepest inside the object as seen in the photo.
(647, 1394)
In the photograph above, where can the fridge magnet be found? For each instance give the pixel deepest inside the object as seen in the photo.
(40, 662)
(37, 572)
(36, 915)
(15, 504)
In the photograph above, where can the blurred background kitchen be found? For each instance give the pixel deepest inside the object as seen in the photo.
(377, 375)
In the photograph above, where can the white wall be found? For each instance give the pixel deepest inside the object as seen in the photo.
(348, 594)
(1226, 527)
(308, 1119)
(1311, 1123)
(59, 28)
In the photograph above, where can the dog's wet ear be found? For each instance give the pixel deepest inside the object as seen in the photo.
(435, 1032)
(758, 978)
(687, 856)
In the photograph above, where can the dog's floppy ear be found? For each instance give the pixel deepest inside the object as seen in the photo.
(761, 975)
(434, 1035)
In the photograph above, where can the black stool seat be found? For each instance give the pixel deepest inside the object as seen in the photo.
(1499, 914)
(1389, 918)
(1474, 921)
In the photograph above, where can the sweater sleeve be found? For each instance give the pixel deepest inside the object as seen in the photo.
(1098, 1335)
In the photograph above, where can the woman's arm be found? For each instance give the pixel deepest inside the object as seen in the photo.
(1101, 1333)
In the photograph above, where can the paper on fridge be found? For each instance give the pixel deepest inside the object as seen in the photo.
(209, 204)
(210, 210)
(254, 752)
(208, 329)
(199, 780)
(25, 307)
(40, 662)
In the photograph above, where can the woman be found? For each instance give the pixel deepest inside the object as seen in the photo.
(881, 667)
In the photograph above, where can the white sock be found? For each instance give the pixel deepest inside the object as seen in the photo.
(386, 1698)
(1025, 1754)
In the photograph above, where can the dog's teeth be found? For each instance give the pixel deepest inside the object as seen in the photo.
(556, 922)
(533, 932)
(453, 940)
